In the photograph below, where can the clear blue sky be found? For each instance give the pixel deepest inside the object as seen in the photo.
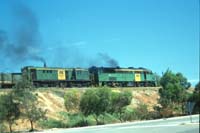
(156, 34)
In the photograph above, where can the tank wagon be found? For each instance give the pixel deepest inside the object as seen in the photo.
(61, 77)
(8, 80)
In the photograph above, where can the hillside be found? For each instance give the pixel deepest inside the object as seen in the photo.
(52, 100)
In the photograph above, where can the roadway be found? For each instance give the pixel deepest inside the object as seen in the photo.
(170, 125)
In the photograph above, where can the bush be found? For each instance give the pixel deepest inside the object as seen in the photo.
(119, 101)
(129, 114)
(52, 123)
(2, 128)
(77, 120)
(72, 100)
(95, 102)
(90, 120)
(142, 112)
(107, 118)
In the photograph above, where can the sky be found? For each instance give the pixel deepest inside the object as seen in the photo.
(154, 34)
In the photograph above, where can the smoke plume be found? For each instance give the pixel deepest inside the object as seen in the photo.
(107, 60)
(26, 42)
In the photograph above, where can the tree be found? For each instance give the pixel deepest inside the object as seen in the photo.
(195, 97)
(119, 100)
(197, 87)
(173, 94)
(28, 102)
(157, 77)
(31, 111)
(9, 109)
(72, 100)
(95, 102)
(183, 81)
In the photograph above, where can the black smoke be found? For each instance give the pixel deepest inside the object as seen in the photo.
(107, 60)
(25, 45)
(103, 60)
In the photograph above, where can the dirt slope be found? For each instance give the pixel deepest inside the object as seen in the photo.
(52, 103)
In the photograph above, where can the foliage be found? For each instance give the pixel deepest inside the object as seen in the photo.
(139, 113)
(95, 102)
(197, 87)
(52, 123)
(77, 120)
(32, 112)
(9, 109)
(195, 97)
(2, 127)
(72, 100)
(173, 92)
(128, 114)
(157, 77)
(119, 100)
(108, 118)
(28, 103)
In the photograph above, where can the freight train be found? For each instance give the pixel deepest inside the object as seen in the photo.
(70, 77)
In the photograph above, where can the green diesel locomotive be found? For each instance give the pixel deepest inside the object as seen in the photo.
(53, 77)
(122, 76)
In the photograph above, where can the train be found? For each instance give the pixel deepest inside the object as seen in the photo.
(8, 80)
(80, 77)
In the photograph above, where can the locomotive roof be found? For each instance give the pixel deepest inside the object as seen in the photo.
(53, 68)
(133, 70)
(130, 69)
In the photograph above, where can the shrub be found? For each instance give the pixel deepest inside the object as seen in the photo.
(95, 102)
(107, 118)
(119, 100)
(77, 120)
(52, 123)
(72, 100)
(129, 114)
(139, 113)
(2, 128)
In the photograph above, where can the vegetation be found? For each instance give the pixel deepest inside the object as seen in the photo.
(31, 110)
(52, 123)
(119, 100)
(72, 100)
(2, 127)
(9, 109)
(20, 103)
(28, 102)
(95, 102)
(173, 95)
(195, 97)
